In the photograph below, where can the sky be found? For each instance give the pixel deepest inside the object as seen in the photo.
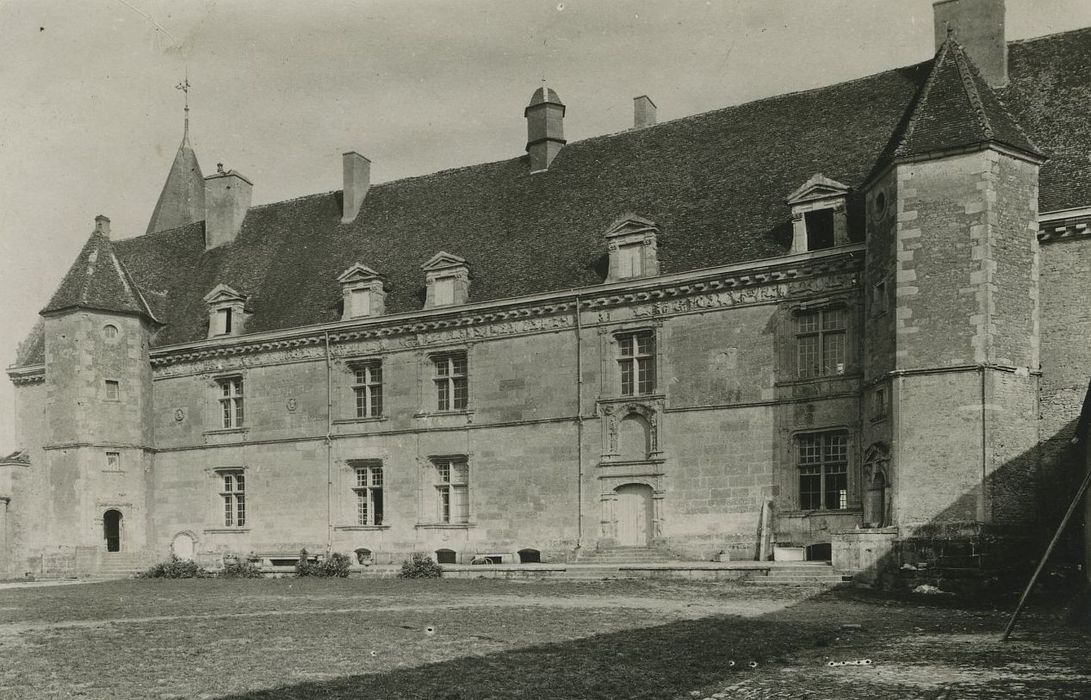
(90, 117)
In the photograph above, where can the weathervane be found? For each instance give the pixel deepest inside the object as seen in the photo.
(184, 87)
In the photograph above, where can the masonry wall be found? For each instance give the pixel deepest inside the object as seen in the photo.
(714, 454)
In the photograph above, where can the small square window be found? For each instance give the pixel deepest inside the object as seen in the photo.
(113, 390)
(113, 461)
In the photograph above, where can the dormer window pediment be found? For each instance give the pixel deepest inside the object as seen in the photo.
(819, 218)
(447, 280)
(632, 242)
(226, 311)
(363, 292)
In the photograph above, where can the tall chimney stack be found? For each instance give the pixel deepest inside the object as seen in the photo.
(545, 128)
(102, 225)
(643, 112)
(357, 173)
(978, 25)
(227, 197)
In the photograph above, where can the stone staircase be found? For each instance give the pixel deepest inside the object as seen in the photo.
(613, 556)
(119, 565)
(798, 573)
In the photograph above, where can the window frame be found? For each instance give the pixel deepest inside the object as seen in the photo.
(828, 462)
(628, 362)
(231, 404)
(369, 389)
(446, 384)
(112, 386)
(820, 333)
(113, 461)
(369, 510)
(232, 497)
(444, 470)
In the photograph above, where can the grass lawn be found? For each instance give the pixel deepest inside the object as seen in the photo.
(359, 638)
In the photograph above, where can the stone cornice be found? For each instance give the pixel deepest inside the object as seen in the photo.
(1064, 225)
(845, 259)
(22, 376)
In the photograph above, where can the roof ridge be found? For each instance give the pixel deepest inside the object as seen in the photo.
(926, 91)
(966, 71)
(1032, 39)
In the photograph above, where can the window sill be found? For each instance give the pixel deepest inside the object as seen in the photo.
(227, 431)
(226, 530)
(820, 512)
(355, 421)
(632, 398)
(879, 419)
(445, 526)
(360, 528)
(432, 414)
(815, 380)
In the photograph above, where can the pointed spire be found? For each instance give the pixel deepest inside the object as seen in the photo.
(182, 200)
(98, 280)
(957, 109)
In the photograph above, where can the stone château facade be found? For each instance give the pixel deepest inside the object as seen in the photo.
(852, 320)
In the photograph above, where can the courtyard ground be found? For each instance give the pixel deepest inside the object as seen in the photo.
(360, 638)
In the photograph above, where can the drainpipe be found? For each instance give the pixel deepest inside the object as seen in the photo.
(981, 505)
(329, 448)
(579, 426)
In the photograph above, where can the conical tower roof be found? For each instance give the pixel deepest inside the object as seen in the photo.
(182, 200)
(957, 109)
(98, 280)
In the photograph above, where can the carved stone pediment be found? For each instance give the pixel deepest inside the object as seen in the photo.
(223, 294)
(819, 187)
(443, 261)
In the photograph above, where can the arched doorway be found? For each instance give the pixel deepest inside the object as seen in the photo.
(111, 530)
(634, 515)
(183, 546)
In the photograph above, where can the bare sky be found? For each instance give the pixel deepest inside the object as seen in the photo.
(90, 118)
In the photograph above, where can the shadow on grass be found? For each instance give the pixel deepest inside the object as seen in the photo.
(655, 661)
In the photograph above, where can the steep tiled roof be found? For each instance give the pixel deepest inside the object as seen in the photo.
(957, 109)
(182, 200)
(713, 183)
(98, 280)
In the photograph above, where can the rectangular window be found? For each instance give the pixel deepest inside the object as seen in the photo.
(444, 291)
(629, 260)
(113, 461)
(231, 407)
(819, 229)
(452, 483)
(451, 382)
(821, 344)
(369, 494)
(880, 403)
(233, 494)
(367, 388)
(113, 390)
(879, 298)
(223, 321)
(636, 360)
(361, 302)
(823, 470)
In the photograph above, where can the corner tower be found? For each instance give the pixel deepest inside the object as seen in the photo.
(97, 439)
(953, 304)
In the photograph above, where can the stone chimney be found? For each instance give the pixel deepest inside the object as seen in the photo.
(102, 225)
(545, 128)
(357, 172)
(227, 197)
(978, 25)
(643, 112)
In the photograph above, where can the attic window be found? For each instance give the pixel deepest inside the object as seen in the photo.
(444, 291)
(362, 292)
(447, 280)
(818, 214)
(820, 228)
(633, 244)
(225, 312)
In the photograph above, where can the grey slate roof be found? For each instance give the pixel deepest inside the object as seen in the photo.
(182, 199)
(714, 183)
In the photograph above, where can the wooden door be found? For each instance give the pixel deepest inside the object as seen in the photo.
(634, 515)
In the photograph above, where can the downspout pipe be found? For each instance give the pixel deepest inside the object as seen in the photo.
(579, 426)
(329, 448)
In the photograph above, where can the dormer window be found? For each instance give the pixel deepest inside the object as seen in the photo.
(362, 291)
(633, 244)
(818, 214)
(447, 280)
(226, 312)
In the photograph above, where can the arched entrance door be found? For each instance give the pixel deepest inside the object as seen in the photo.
(111, 530)
(634, 515)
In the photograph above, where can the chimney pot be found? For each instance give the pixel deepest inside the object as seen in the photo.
(978, 26)
(643, 112)
(357, 181)
(102, 225)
